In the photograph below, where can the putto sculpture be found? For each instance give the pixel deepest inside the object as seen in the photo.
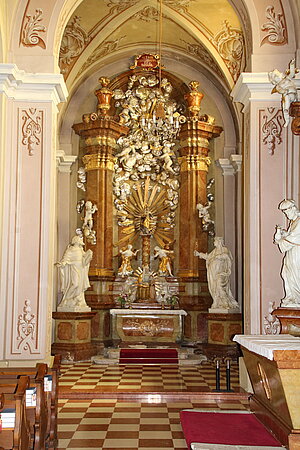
(288, 241)
(284, 85)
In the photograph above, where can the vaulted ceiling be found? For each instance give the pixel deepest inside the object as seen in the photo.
(207, 33)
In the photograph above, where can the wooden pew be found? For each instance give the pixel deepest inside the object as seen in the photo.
(48, 398)
(17, 438)
(38, 415)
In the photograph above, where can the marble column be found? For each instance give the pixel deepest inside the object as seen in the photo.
(195, 136)
(27, 226)
(100, 138)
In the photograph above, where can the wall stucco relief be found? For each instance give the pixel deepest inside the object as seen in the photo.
(271, 128)
(32, 29)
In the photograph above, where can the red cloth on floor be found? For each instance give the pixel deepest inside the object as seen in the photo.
(225, 428)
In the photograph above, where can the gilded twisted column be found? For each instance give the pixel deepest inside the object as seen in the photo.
(100, 138)
(195, 135)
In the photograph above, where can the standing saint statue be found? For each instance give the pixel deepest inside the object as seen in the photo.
(288, 242)
(164, 255)
(74, 269)
(218, 265)
(127, 255)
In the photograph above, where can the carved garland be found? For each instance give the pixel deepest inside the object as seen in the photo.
(272, 128)
(274, 27)
(32, 129)
(30, 33)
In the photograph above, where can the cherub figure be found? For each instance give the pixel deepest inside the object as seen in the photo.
(127, 255)
(284, 85)
(164, 255)
(167, 152)
(90, 209)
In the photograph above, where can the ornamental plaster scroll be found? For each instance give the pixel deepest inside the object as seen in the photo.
(30, 34)
(26, 329)
(74, 40)
(201, 52)
(32, 129)
(274, 27)
(119, 5)
(101, 51)
(271, 322)
(230, 44)
(147, 14)
(179, 5)
(271, 128)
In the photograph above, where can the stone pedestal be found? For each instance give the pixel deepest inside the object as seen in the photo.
(137, 326)
(273, 364)
(289, 320)
(73, 335)
(223, 326)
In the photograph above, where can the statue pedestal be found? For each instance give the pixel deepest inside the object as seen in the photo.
(73, 335)
(152, 325)
(223, 326)
(289, 319)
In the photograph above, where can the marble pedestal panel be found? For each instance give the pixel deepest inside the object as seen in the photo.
(73, 335)
(273, 365)
(222, 327)
(289, 320)
(136, 326)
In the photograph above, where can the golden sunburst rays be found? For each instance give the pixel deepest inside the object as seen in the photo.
(146, 210)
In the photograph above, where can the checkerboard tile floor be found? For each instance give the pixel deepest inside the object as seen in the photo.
(112, 424)
(138, 378)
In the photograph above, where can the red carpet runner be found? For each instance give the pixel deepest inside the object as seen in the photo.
(148, 356)
(225, 428)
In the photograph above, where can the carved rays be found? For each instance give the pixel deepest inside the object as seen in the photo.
(145, 214)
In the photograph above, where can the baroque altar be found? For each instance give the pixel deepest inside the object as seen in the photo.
(145, 156)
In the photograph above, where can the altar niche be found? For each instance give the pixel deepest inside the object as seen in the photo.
(146, 167)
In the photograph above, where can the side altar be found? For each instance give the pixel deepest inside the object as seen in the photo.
(145, 160)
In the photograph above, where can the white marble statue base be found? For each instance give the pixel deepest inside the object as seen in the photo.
(74, 309)
(224, 311)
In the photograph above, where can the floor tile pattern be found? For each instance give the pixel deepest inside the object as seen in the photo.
(112, 424)
(139, 378)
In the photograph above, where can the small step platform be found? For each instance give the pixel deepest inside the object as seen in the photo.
(148, 356)
(226, 430)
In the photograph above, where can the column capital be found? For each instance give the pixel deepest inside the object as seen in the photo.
(230, 166)
(64, 162)
(40, 87)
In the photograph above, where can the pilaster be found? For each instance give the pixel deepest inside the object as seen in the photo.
(28, 188)
(267, 180)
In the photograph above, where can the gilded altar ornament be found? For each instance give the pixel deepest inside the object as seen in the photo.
(104, 96)
(193, 99)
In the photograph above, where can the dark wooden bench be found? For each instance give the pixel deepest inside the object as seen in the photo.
(17, 438)
(38, 414)
(45, 419)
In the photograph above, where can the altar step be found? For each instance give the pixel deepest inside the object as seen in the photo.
(148, 356)
(185, 356)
